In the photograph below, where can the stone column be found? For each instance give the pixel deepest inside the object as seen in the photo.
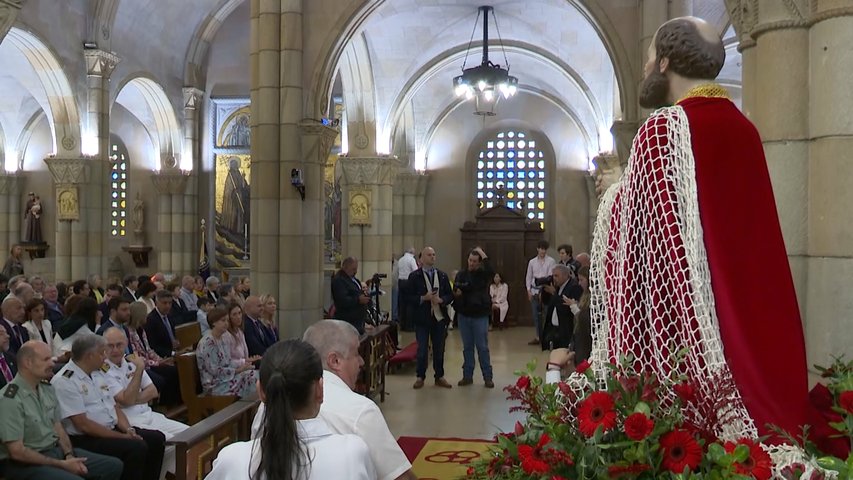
(371, 179)
(827, 180)
(71, 177)
(412, 187)
(96, 141)
(11, 209)
(9, 10)
(623, 136)
(189, 213)
(171, 189)
(317, 141)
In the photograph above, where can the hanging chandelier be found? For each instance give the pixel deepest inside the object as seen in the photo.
(486, 82)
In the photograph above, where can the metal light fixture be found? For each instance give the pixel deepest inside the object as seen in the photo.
(486, 82)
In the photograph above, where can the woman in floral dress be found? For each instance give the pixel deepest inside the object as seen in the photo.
(220, 375)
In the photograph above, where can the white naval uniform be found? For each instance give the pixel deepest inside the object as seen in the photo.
(334, 456)
(79, 393)
(117, 378)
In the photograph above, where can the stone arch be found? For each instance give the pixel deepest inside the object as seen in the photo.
(196, 56)
(23, 141)
(455, 54)
(143, 96)
(359, 89)
(103, 14)
(351, 21)
(61, 103)
(458, 102)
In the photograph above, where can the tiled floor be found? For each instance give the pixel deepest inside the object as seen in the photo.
(465, 412)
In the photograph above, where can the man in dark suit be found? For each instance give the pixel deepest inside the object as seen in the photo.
(13, 316)
(558, 324)
(159, 328)
(113, 290)
(348, 296)
(53, 310)
(8, 367)
(428, 293)
(131, 283)
(257, 339)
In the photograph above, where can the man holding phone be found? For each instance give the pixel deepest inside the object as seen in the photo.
(428, 294)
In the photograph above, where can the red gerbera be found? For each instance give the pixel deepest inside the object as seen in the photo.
(680, 450)
(685, 392)
(617, 471)
(638, 426)
(595, 410)
(530, 461)
(523, 382)
(845, 401)
(582, 367)
(757, 465)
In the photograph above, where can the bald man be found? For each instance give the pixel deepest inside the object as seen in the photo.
(13, 318)
(688, 252)
(258, 337)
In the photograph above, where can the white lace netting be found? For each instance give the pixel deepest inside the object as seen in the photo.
(650, 282)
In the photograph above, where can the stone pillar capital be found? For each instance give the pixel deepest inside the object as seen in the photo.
(608, 169)
(69, 171)
(623, 132)
(317, 140)
(100, 63)
(411, 183)
(12, 183)
(192, 98)
(170, 183)
(369, 170)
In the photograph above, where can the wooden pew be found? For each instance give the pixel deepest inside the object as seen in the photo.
(374, 349)
(198, 446)
(199, 405)
(188, 334)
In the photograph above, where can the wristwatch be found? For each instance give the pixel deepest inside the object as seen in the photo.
(551, 366)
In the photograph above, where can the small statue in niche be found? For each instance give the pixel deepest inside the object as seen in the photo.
(138, 214)
(32, 215)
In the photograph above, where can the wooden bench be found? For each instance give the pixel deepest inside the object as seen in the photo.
(199, 405)
(188, 334)
(197, 446)
(373, 348)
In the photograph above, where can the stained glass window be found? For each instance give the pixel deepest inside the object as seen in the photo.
(118, 188)
(513, 160)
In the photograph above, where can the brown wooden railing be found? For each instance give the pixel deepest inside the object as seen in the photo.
(198, 446)
(374, 350)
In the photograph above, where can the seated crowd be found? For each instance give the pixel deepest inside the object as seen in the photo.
(81, 366)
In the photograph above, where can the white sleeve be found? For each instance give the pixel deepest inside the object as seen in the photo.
(70, 400)
(146, 380)
(388, 458)
(362, 458)
(552, 376)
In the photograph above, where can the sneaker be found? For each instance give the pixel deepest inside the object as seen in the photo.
(465, 382)
(490, 383)
(441, 382)
(419, 383)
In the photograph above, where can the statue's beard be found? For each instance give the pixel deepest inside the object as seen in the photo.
(654, 90)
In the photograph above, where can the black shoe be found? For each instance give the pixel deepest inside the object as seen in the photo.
(465, 381)
(490, 383)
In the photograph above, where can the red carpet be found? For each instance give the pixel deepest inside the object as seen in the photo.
(442, 458)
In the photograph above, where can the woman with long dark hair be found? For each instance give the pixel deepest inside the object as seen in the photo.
(295, 445)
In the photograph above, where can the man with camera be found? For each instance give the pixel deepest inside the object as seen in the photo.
(428, 294)
(558, 324)
(538, 268)
(348, 295)
(473, 305)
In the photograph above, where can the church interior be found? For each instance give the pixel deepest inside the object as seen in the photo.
(271, 139)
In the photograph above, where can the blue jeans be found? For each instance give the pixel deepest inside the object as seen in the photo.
(437, 332)
(536, 309)
(475, 333)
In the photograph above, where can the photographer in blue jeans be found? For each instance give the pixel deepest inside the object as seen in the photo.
(473, 305)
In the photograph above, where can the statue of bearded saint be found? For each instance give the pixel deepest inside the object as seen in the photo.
(689, 270)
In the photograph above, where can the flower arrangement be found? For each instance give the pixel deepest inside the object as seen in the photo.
(630, 427)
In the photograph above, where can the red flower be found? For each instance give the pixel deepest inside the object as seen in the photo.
(523, 382)
(530, 461)
(582, 367)
(638, 426)
(680, 450)
(519, 429)
(794, 471)
(595, 410)
(845, 401)
(685, 392)
(617, 471)
(470, 471)
(565, 389)
(757, 465)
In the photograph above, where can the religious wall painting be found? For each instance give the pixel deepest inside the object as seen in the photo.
(232, 210)
(360, 205)
(231, 123)
(67, 203)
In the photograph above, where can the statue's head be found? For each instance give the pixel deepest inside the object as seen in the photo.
(688, 47)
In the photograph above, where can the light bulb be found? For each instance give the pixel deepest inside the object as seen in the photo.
(489, 95)
(461, 89)
(481, 85)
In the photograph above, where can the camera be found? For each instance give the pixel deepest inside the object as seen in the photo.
(542, 281)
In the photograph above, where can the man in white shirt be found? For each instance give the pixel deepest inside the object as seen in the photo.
(132, 389)
(405, 266)
(344, 410)
(539, 266)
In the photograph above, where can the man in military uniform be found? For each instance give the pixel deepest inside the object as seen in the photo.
(32, 436)
(94, 421)
(132, 389)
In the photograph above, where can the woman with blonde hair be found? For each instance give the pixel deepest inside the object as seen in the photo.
(268, 307)
(14, 265)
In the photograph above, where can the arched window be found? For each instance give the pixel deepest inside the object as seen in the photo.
(513, 160)
(118, 187)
